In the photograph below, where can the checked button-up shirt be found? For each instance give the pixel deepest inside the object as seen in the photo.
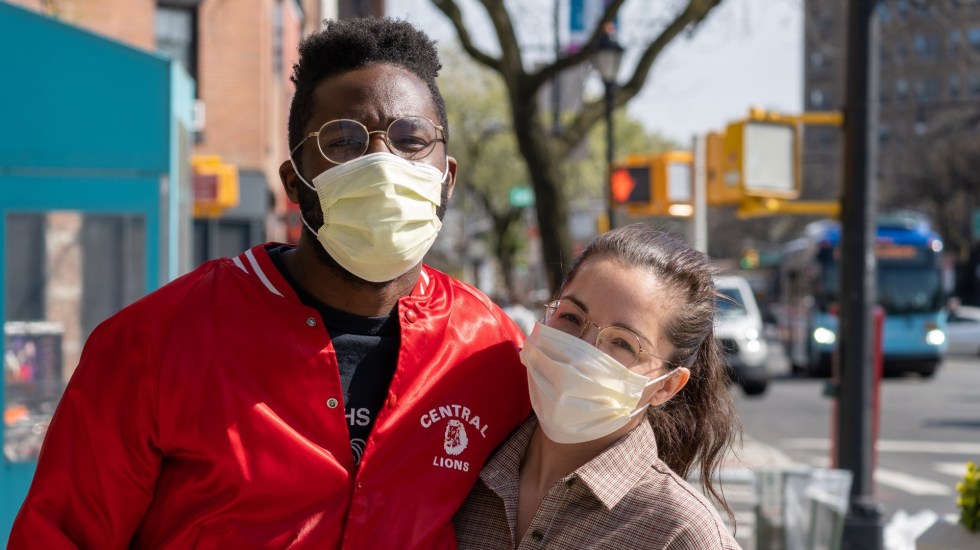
(625, 498)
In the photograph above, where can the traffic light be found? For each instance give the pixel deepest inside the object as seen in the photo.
(673, 191)
(750, 259)
(721, 191)
(214, 184)
(630, 184)
(654, 185)
(762, 155)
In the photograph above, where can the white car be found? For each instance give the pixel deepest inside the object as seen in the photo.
(963, 331)
(739, 330)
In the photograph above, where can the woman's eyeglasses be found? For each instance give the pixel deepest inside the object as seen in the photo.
(620, 343)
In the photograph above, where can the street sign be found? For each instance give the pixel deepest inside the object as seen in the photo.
(521, 197)
(976, 225)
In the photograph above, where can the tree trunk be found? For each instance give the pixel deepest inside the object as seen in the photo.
(505, 254)
(550, 203)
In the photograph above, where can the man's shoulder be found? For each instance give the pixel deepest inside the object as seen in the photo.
(208, 279)
(469, 299)
(186, 283)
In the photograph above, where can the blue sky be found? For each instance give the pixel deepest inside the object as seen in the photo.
(748, 53)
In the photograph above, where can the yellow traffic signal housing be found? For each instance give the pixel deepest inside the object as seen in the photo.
(720, 191)
(673, 192)
(762, 156)
(215, 185)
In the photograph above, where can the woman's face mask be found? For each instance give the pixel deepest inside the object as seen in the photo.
(379, 213)
(578, 392)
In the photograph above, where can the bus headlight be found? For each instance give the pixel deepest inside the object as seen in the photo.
(935, 337)
(751, 334)
(825, 336)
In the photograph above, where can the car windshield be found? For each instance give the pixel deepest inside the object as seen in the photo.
(730, 303)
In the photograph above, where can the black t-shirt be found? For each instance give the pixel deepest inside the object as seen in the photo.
(367, 353)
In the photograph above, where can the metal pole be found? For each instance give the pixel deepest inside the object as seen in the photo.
(700, 194)
(610, 151)
(556, 81)
(863, 527)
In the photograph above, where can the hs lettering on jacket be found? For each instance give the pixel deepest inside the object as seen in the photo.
(358, 417)
(455, 437)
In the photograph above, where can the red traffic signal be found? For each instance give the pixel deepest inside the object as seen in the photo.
(631, 185)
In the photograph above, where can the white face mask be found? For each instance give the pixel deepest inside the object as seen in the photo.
(579, 393)
(379, 213)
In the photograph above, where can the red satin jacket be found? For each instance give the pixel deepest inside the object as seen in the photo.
(209, 414)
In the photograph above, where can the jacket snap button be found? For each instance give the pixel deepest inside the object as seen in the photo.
(310, 321)
(410, 316)
(537, 535)
(332, 402)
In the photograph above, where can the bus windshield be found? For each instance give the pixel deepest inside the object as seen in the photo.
(909, 290)
(912, 289)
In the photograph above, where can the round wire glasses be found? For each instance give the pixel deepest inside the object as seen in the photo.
(622, 344)
(410, 137)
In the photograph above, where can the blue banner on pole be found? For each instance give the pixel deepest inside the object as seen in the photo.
(576, 15)
(583, 16)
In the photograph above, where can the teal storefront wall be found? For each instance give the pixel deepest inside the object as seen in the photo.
(90, 125)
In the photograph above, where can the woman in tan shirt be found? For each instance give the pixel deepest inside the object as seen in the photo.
(628, 388)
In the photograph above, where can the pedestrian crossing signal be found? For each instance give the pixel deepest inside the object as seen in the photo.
(631, 185)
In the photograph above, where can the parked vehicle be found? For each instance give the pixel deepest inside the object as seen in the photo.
(739, 330)
(963, 331)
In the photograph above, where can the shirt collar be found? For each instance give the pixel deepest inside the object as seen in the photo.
(612, 474)
(609, 476)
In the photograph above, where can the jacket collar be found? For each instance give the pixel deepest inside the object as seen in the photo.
(256, 262)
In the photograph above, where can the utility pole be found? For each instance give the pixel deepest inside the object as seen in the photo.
(855, 450)
(556, 81)
(610, 151)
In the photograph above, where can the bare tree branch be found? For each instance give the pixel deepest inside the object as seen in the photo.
(510, 48)
(694, 13)
(451, 10)
(542, 151)
(549, 71)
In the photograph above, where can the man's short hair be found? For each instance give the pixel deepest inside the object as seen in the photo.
(353, 43)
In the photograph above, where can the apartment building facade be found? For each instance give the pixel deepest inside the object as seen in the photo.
(927, 97)
(928, 66)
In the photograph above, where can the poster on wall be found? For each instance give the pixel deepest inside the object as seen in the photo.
(32, 375)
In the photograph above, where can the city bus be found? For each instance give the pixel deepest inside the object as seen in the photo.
(909, 289)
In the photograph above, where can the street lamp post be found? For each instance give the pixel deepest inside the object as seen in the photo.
(606, 60)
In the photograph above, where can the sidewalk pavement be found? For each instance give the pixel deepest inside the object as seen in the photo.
(755, 455)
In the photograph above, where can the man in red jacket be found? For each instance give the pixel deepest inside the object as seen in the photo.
(336, 394)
